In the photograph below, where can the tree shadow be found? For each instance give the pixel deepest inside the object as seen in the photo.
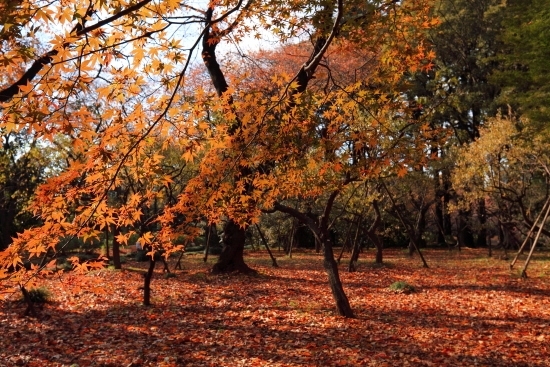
(194, 334)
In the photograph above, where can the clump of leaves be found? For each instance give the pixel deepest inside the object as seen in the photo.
(401, 287)
(39, 295)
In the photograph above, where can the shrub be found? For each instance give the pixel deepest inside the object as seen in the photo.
(39, 295)
(402, 287)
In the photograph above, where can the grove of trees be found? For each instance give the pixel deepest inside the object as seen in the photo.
(337, 124)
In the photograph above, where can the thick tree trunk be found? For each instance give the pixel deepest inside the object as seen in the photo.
(231, 259)
(378, 244)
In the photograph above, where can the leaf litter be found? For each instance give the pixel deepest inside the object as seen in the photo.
(468, 310)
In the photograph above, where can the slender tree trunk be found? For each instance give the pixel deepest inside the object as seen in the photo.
(107, 242)
(273, 260)
(355, 249)
(447, 222)
(345, 244)
(207, 245)
(321, 231)
(465, 236)
(291, 239)
(331, 267)
(409, 228)
(147, 282)
(116, 249)
(482, 217)
(373, 236)
(439, 203)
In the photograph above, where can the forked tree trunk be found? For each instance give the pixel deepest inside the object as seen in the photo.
(321, 231)
(231, 258)
(331, 267)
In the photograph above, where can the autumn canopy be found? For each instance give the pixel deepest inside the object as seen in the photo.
(165, 120)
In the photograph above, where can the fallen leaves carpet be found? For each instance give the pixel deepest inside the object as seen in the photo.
(467, 310)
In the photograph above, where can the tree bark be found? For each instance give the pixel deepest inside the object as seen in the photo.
(116, 249)
(331, 267)
(465, 236)
(147, 282)
(482, 218)
(273, 260)
(321, 231)
(373, 236)
(231, 258)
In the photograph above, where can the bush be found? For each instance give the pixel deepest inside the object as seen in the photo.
(39, 295)
(402, 287)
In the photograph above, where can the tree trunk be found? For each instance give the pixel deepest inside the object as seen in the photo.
(371, 233)
(147, 282)
(447, 222)
(355, 249)
(331, 267)
(439, 204)
(231, 259)
(107, 242)
(482, 217)
(116, 249)
(321, 231)
(273, 260)
(465, 236)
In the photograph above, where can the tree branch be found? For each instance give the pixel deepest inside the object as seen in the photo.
(79, 30)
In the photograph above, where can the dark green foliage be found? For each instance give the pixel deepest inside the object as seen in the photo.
(39, 295)
(401, 287)
(524, 66)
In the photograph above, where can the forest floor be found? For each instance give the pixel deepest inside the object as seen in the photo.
(467, 310)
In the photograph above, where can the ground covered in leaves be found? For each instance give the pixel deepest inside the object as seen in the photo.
(466, 310)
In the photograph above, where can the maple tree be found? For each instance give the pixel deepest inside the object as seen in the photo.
(250, 151)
